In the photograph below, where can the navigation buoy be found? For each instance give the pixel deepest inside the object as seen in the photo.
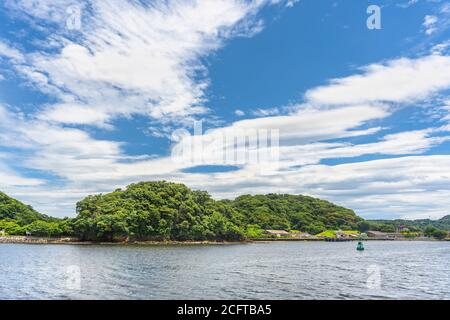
(360, 246)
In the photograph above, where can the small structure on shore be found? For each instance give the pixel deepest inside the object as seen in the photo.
(345, 235)
(301, 235)
(277, 233)
(340, 235)
(384, 235)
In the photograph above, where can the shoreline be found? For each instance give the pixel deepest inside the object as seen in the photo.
(74, 241)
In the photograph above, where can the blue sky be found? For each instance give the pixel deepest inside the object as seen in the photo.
(95, 96)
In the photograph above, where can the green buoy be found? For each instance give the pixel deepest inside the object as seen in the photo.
(360, 246)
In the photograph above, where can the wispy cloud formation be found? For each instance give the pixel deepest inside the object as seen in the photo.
(7, 51)
(407, 4)
(130, 58)
(48, 10)
(304, 134)
(429, 24)
(398, 81)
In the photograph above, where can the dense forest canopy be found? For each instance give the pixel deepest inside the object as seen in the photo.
(156, 211)
(285, 211)
(169, 211)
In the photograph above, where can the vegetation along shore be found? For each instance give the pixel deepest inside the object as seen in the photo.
(164, 212)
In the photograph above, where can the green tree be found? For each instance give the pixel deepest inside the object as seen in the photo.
(43, 228)
(11, 227)
(363, 226)
(431, 231)
(162, 210)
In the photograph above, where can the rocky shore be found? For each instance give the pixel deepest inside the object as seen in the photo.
(36, 240)
(39, 240)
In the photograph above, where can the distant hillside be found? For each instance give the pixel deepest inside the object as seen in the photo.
(15, 210)
(420, 224)
(285, 211)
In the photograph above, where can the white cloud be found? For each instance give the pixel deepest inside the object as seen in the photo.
(445, 8)
(291, 3)
(404, 143)
(407, 4)
(317, 124)
(397, 81)
(75, 114)
(239, 113)
(132, 58)
(440, 48)
(62, 151)
(266, 112)
(429, 23)
(11, 53)
(48, 10)
(9, 177)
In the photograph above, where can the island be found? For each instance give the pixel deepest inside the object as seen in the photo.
(161, 211)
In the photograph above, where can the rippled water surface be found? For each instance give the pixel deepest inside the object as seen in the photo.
(277, 270)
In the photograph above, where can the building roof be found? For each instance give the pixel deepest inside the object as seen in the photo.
(300, 235)
(277, 231)
(376, 233)
(379, 233)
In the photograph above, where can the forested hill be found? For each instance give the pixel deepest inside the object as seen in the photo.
(156, 211)
(163, 210)
(170, 211)
(285, 211)
(13, 209)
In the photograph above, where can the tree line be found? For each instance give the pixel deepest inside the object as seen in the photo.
(163, 210)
